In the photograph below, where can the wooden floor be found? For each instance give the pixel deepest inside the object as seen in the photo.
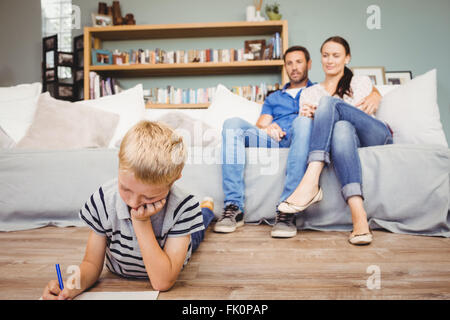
(249, 264)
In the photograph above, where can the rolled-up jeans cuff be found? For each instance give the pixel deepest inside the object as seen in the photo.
(319, 155)
(241, 207)
(352, 189)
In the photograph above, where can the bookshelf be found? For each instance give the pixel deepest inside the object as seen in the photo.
(94, 36)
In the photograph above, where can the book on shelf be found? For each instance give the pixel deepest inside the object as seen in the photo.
(172, 95)
(101, 86)
(160, 56)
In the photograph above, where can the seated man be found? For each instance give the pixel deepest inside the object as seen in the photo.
(278, 126)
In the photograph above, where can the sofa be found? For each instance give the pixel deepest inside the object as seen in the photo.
(406, 185)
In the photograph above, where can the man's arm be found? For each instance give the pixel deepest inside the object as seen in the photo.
(264, 121)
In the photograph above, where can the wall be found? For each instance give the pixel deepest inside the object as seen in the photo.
(413, 35)
(20, 42)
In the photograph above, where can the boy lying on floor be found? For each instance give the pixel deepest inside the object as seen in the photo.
(143, 224)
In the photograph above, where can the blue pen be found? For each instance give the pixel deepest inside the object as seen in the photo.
(58, 272)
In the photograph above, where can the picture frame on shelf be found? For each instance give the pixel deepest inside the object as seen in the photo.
(255, 48)
(376, 74)
(101, 20)
(101, 57)
(268, 52)
(398, 77)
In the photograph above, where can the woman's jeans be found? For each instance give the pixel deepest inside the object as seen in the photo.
(340, 129)
(238, 134)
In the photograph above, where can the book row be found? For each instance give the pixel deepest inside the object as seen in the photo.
(254, 50)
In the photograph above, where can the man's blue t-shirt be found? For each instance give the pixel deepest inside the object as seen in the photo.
(284, 109)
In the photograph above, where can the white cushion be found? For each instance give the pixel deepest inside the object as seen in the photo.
(17, 107)
(128, 104)
(226, 104)
(386, 88)
(411, 110)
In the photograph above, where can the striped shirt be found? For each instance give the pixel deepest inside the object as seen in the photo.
(108, 215)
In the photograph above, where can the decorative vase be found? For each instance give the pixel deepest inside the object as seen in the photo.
(258, 16)
(273, 16)
(250, 13)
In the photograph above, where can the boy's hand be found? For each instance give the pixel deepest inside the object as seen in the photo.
(144, 212)
(53, 292)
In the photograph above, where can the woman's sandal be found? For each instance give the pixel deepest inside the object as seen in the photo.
(287, 207)
(360, 239)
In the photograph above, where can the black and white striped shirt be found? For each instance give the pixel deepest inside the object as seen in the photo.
(108, 215)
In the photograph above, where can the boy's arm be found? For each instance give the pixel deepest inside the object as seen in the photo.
(90, 269)
(162, 266)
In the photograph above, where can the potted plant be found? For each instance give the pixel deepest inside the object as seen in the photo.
(272, 11)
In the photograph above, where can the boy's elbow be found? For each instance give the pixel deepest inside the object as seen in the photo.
(162, 285)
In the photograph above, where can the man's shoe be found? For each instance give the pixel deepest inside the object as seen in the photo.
(284, 226)
(231, 218)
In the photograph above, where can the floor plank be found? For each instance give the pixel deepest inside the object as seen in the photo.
(249, 264)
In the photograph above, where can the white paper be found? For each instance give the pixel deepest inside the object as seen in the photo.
(134, 295)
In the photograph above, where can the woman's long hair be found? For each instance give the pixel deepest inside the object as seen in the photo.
(343, 86)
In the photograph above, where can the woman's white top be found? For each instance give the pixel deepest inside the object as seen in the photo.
(361, 87)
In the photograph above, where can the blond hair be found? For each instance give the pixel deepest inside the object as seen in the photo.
(153, 152)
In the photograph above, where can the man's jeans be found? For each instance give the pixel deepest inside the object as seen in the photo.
(340, 129)
(238, 134)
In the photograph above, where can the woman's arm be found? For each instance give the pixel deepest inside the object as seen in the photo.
(90, 269)
(162, 266)
(370, 103)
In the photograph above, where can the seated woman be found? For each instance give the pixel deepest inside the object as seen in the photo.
(342, 124)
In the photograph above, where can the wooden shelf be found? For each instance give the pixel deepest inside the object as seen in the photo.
(190, 30)
(94, 36)
(177, 106)
(260, 66)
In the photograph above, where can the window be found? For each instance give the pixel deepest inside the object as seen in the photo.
(57, 19)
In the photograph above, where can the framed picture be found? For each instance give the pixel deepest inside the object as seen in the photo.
(49, 59)
(79, 75)
(50, 75)
(268, 52)
(51, 43)
(65, 59)
(80, 59)
(78, 42)
(101, 20)
(65, 91)
(376, 74)
(398, 77)
(101, 57)
(255, 49)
